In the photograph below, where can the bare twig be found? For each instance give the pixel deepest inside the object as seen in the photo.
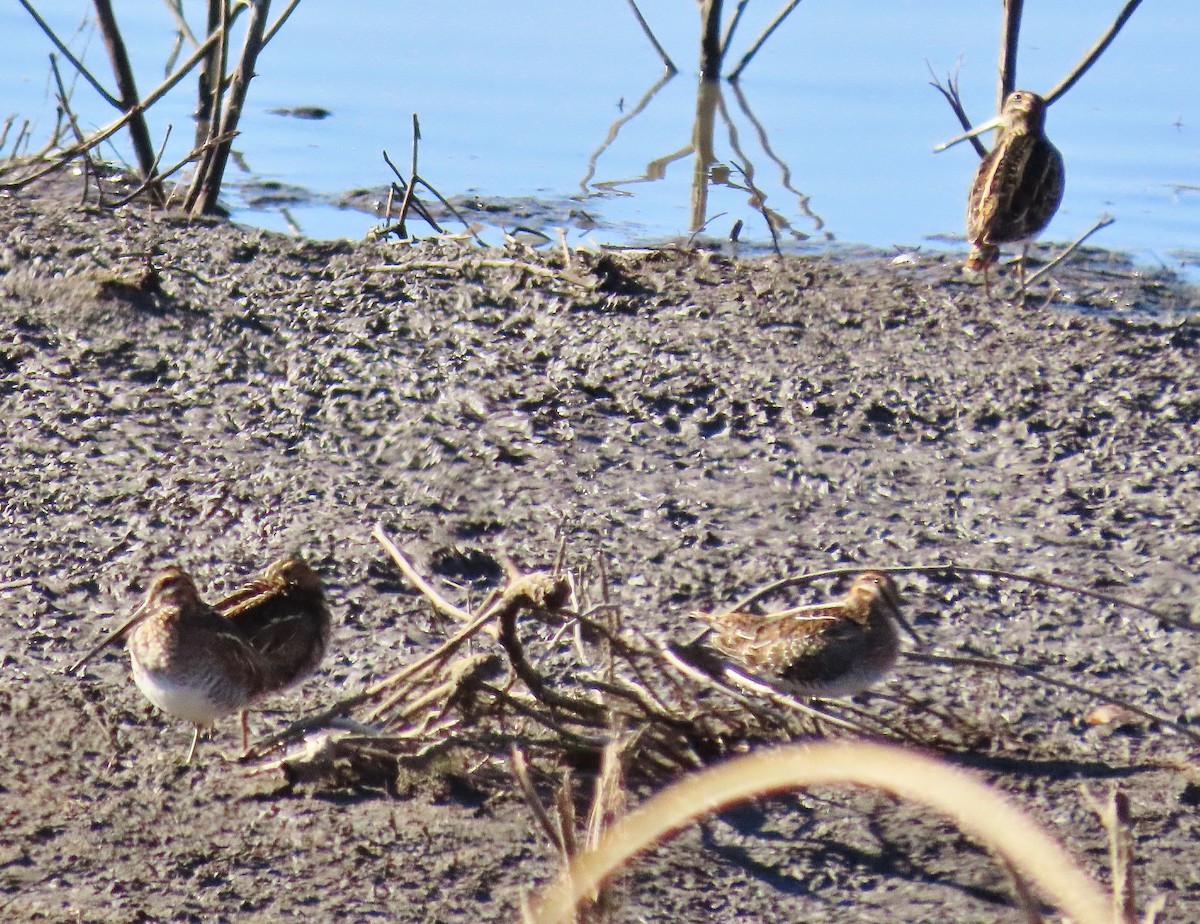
(1035, 673)
(283, 17)
(139, 131)
(64, 100)
(181, 24)
(170, 171)
(520, 772)
(758, 202)
(954, 98)
(1094, 52)
(1008, 50)
(411, 200)
(1115, 816)
(1075, 245)
(402, 185)
(210, 172)
(762, 39)
(70, 153)
(66, 52)
(454, 211)
(564, 803)
(662, 52)
(210, 86)
(401, 560)
(8, 124)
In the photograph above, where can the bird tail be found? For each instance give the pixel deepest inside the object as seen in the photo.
(981, 257)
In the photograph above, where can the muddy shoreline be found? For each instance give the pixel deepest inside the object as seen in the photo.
(207, 394)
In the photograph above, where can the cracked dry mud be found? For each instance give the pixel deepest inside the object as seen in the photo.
(705, 423)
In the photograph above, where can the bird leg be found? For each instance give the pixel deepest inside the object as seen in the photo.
(192, 750)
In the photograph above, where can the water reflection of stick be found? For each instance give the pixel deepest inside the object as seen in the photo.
(615, 128)
(707, 94)
(757, 198)
(785, 172)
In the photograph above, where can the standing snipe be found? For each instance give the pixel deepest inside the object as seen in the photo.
(188, 659)
(200, 662)
(825, 651)
(1018, 185)
(284, 617)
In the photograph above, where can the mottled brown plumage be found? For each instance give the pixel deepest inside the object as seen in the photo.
(187, 658)
(200, 662)
(284, 616)
(827, 650)
(1018, 185)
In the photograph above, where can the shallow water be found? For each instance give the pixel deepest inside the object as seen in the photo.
(834, 118)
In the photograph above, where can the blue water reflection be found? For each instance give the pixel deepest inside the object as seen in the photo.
(835, 117)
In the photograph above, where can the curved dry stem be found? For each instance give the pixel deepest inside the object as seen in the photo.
(974, 807)
(801, 580)
(1093, 53)
(440, 603)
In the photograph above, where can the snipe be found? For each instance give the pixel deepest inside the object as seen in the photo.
(188, 659)
(1017, 187)
(200, 662)
(284, 617)
(825, 651)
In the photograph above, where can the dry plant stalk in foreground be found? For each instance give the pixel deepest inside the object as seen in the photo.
(544, 665)
(978, 810)
(541, 669)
